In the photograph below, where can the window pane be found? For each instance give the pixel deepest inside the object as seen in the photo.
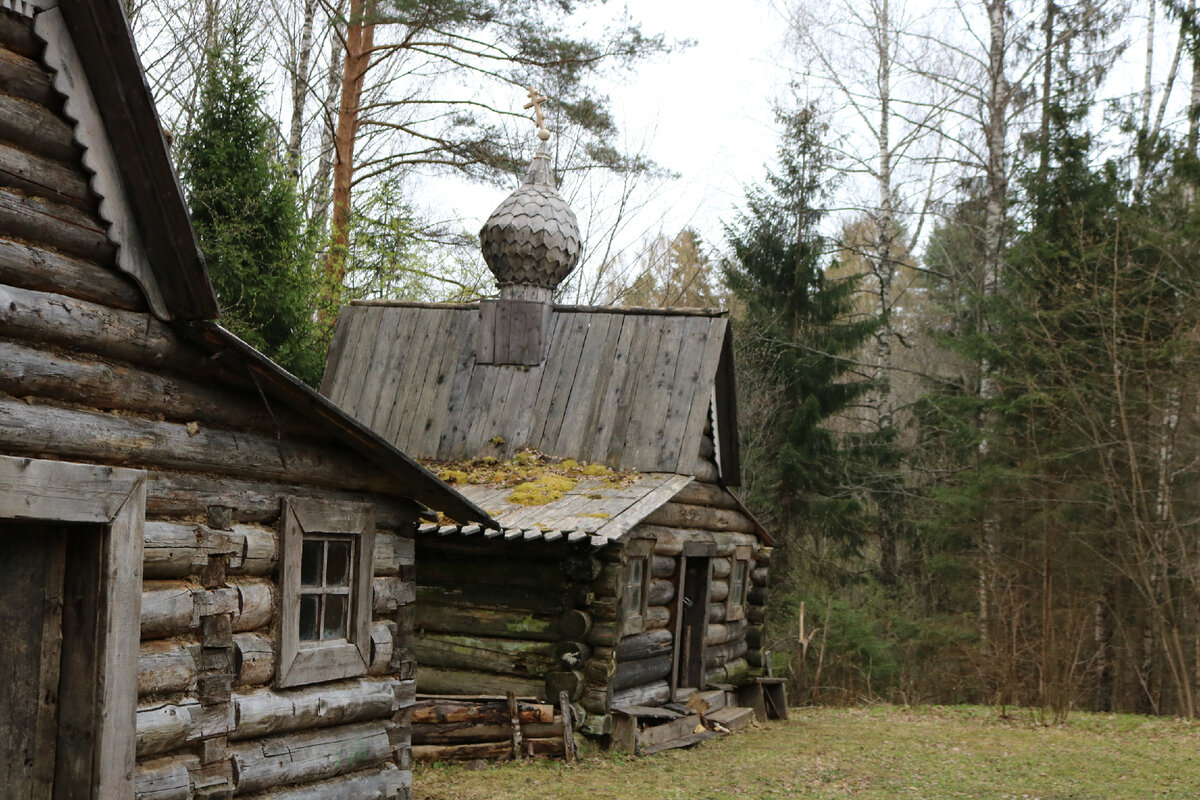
(634, 592)
(336, 609)
(308, 617)
(310, 562)
(337, 567)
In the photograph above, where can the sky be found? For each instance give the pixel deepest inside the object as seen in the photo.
(704, 112)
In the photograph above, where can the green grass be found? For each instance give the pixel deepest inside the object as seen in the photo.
(879, 753)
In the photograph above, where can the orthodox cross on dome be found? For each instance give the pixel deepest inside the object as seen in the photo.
(535, 102)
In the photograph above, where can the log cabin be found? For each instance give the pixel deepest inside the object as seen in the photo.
(208, 568)
(631, 591)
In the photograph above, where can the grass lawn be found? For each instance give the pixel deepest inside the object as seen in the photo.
(877, 753)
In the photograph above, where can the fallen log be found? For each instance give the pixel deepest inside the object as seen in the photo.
(454, 733)
(487, 750)
(440, 711)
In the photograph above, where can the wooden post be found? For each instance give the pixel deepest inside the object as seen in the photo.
(569, 750)
(515, 720)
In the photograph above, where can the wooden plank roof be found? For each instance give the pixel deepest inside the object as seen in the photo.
(630, 388)
(601, 512)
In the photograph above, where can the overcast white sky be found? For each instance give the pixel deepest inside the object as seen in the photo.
(705, 112)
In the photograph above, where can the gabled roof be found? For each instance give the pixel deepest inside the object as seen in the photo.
(630, 388)
(90, 50)
(112, 94)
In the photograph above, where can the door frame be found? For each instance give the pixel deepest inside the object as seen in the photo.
(113, 500)
(692, 550)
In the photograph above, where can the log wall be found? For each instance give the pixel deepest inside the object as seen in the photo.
(88, 374)
(636, 667)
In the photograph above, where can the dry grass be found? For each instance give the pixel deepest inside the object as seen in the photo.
(875, 754)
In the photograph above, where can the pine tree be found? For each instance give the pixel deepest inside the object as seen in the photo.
(246, 213)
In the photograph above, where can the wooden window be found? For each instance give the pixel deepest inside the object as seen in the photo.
(325, 589)
(636, 585)
(739, 584)
(84, 525)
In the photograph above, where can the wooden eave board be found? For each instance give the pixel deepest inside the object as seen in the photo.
(106, 50)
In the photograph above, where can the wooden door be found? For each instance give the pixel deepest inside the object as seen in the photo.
(693, 622)
(49, 621)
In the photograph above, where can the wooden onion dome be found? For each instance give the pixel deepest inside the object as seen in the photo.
(531, 241)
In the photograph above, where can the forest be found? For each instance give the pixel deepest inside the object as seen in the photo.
(964, 294)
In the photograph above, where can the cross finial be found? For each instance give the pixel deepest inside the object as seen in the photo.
(535, 102)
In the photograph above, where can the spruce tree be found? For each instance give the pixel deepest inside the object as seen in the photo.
(246, 214)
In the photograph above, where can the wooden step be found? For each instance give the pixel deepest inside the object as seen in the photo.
(714, 697)
(683, 741)
(732, 717)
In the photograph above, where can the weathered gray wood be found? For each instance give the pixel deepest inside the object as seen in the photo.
(721, 567)
(427, 414)
(691, 463)
(656, 617)
(661, 592)
(485, 750)
(25, 78)
(264, 712)
(648, 432)
(645, 645)
(37, 489)
(573, 682)
(389, 593)
(678, 515)
(28, 267)
(34, 372)
(443, 711)
(733, 672)
(440, 680)
(382, 782)
(382, 647)
(698, 493)
(94, 436)
(176, 494)
(484, 595)
(16, 34)
(426, 347)
(356, 360)
(256, 604)
(720, 633)
(165, 778)
(687, 382)
(644, 330)
(53, 225)
(663, 566)
(482, 621)
(450, 423)
(650, 694)
(640, 672)
(721, 654)
(387, 356)
(254, 659)
(163, 727)
(485, 654)
(297, 758)
(569, 345)
(719, 591)
(450, 733)
(166, 667)
(573, 430)
(168, 608)
(31, 174)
